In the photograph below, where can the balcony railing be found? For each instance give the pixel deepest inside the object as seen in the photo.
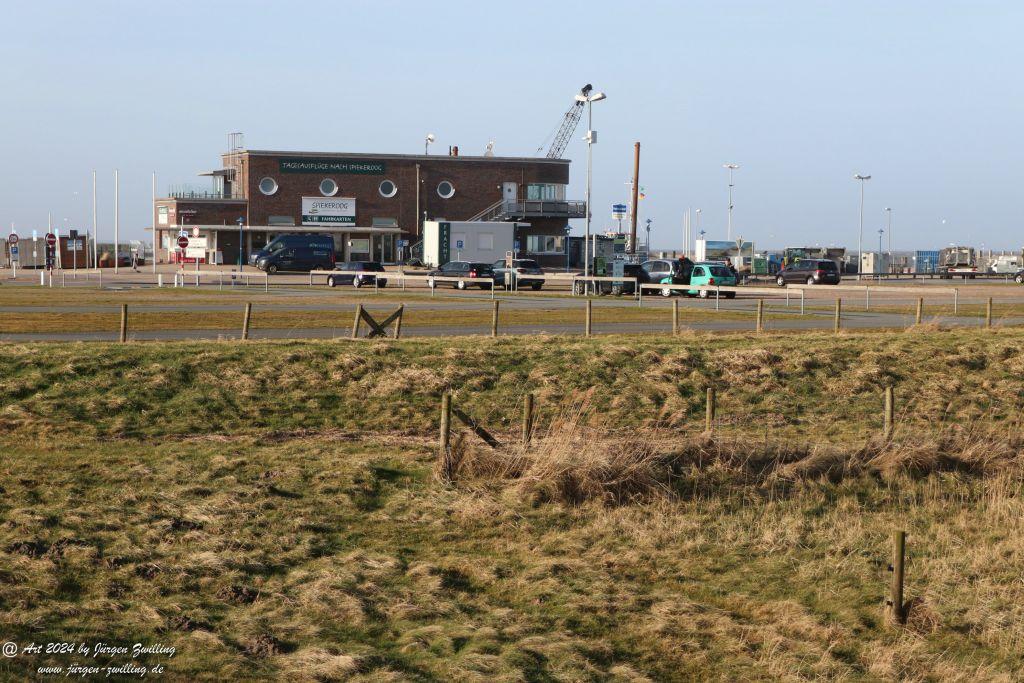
(191, 192)
(541, 208)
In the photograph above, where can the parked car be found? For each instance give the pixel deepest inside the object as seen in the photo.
(710, 274)
(630, 270)
(668, 271)
(296, 252)
(523, 269)
(809, 271)
(467, 272)
(364, 276)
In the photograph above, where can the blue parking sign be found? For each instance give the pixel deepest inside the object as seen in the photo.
(458, 244)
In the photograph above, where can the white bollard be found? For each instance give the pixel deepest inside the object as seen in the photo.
(160, 280)
(42, 278)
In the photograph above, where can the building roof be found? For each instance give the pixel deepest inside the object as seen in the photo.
(404, 157)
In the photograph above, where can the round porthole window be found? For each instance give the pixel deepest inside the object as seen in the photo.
(445, 189)
(328, 187)
(268, 186)
(387, 189)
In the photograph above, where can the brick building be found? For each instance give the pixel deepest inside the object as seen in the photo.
(373, 204)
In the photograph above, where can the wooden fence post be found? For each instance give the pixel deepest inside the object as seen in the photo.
(245, 321)
(890, 409)
(709, 410)
(675, 316)
(355, 323)
(920, 310)
(839, 313)
(527, 419)
(899, 543)
(494, 319)
(589, 319)
(124, 323)
(447, 467)
(988, 313)
(760, 316)
(398, 323)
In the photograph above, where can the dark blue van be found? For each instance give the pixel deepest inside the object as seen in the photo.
(296, 253)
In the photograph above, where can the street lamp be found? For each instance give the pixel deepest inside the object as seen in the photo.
(888, 229)
(648, 239)
(731, 167)
(860, 238)
(241, 222)
(591, 138)
(881, 231)
(426, 145)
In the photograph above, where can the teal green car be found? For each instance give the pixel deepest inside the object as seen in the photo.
(711, 274)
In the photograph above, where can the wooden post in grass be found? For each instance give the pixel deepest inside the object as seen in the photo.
(494, 319)
(675, 316)
(920, 310)
(355, 323)
(446, 422)
(245, 321)
(988, 313)
(709, 410)
(124, 323)
(887, 422)
(527, 419)
(839, 315)
(589, 319)
(760, 316)
(899, 543)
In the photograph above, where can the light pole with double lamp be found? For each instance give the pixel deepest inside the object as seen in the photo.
(731, 167)
(860, 237)
(888, 229)
(591, 139)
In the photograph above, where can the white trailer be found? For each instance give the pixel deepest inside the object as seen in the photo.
(479, 241)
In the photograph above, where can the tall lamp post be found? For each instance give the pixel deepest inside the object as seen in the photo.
(888, 229)
(591, 139)
(731, 167)
(881, 231)
(860, 237)
(241, 222)
(648, 239)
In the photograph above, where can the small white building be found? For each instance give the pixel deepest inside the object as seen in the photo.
(481, 241)
(874, 262)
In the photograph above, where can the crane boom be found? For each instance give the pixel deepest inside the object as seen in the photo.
(569, 122)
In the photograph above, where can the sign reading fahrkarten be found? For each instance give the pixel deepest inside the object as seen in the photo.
(328, 211)
(343, 166)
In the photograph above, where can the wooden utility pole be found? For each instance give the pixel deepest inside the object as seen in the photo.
(636, 194)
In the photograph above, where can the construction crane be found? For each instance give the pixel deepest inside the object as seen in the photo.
(569, 123)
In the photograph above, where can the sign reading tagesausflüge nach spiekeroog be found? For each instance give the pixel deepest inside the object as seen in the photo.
(82, 660)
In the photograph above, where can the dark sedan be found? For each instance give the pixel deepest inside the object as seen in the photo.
(469, 274)
(809, 272)
(523, 268)
(358, 273)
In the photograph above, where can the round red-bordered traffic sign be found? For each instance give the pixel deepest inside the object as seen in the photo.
(51, 239)
(13, 238)
(182, 242)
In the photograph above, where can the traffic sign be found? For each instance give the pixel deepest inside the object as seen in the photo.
(195, 231)
(182, 242)
(13, 238)
(14, 252)
(403, 243)
(515, 245)
(619, 208)
(458, 244)
(51, 239)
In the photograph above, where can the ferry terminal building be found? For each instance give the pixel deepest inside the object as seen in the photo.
(374, 205)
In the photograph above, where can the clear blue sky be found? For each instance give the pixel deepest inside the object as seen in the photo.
(927, 97)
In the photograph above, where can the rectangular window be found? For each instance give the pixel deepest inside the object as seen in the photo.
(545, 191)
(545, 244)
(161, 215)
(486, 241)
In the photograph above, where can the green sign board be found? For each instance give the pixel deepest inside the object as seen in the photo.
(341, 166)
(444, 247)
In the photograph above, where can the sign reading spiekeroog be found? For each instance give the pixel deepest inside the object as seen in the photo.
(328, 211)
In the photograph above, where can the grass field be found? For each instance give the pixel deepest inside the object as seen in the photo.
(273, 510)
